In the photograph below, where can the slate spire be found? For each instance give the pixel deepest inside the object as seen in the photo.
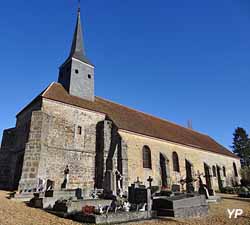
(76, 74)
(77, 48)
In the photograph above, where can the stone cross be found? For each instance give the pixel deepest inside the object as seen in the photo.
(150, 180)
(138, 182)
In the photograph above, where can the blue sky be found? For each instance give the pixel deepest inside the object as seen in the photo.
(178, 60)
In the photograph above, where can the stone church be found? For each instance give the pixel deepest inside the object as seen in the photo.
(67, 125)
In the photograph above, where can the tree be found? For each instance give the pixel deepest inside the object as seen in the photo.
(241, 145)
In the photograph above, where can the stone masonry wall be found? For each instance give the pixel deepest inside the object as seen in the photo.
(196, 156)
(6, 170)
(12, 149)
(64, 145)
(32, 153)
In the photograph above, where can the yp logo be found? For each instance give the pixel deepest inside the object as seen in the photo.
(234, 213)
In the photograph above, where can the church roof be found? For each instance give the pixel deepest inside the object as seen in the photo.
(134, 121)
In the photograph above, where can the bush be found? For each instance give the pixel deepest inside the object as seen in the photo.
(230, 190)
(244, 192)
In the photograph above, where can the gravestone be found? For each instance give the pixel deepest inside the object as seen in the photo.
(49, 188)
(176, 188)
(79, 193)
(137, 195)
(190, 187)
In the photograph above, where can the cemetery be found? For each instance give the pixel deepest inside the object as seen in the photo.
(138, 203)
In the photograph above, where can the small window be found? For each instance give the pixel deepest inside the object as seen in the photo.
(79, 130)
(89, 76)
(224, 171)
(176, 166)
(214, 171)
(235, 170)
(146, 154)
(76, 71)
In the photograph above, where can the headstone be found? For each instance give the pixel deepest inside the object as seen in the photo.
(137, 195)
(150, 180)
(190, 187)
(79, 193)
(49, 188)
(138, 183)
(50, 185)
(176, 188)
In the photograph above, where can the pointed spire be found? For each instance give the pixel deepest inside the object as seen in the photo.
(77, 47)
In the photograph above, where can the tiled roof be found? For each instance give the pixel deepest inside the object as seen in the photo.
(138, 122)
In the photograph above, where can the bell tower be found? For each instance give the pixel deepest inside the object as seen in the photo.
(76, 74)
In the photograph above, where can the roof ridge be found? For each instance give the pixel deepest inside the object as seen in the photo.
(47, 88)
(147, 114)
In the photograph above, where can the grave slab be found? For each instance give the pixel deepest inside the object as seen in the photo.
(181, 206)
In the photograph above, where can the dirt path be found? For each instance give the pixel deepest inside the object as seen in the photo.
(17, 213)
(218, 214)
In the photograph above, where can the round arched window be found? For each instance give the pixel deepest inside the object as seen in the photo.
(176, 166)
(235, 170)
(146, 154)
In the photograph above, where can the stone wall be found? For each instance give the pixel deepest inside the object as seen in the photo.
(12, 148)
(32, 153)
(7, 159)
(6, 170)
(196, 156)
(50, 135)
(86, 141)
(64, 144)
(98, 148)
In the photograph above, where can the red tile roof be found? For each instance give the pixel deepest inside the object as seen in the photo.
(138, 122)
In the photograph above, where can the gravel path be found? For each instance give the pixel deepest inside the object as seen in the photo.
(17, 213)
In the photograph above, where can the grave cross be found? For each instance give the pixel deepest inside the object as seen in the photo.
(150, 180)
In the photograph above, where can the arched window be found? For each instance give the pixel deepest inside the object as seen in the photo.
(214, 171)
(224, 171)
(146, 154)
(235, 170)
(175, 158)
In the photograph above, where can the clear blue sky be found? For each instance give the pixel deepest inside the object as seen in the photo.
(178, 60)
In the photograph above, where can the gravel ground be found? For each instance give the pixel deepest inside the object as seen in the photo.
(17, 213)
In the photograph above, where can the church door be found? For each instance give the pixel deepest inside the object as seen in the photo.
(220, 185)
(207, 176)
(163, 170)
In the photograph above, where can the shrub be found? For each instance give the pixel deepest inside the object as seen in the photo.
(231, 190)
(244, 192)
